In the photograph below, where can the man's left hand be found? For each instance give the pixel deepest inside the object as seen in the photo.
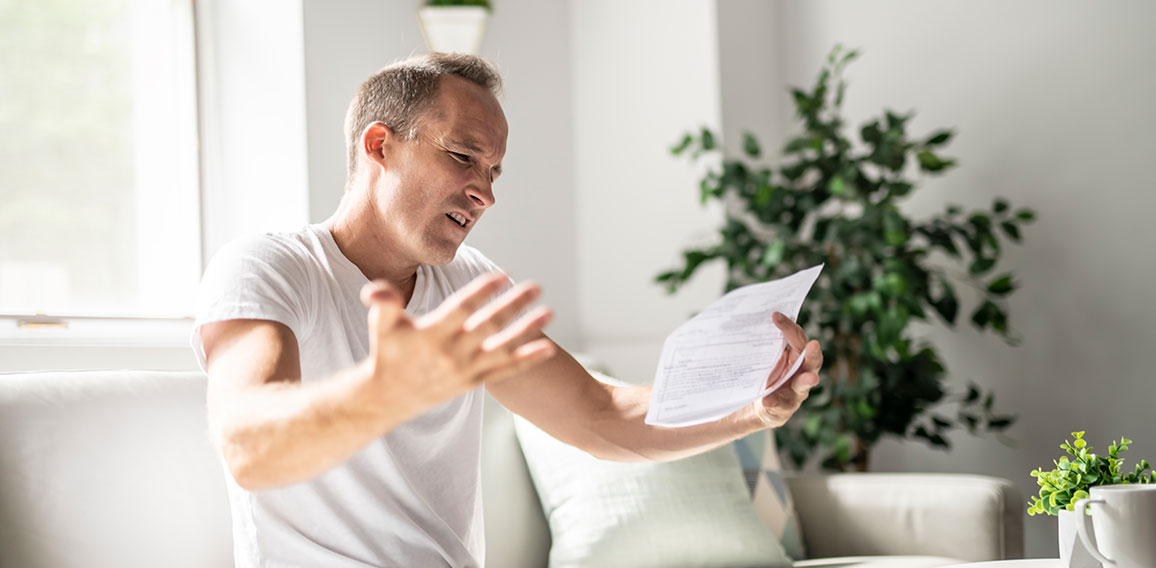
(774, 409)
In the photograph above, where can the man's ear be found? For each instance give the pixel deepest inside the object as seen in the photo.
(374, 141)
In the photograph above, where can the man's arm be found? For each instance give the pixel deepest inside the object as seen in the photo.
(274, 430)
(561, 398)
(270, 428)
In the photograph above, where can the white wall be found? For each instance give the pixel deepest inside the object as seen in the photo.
(644, 73)
(1053, 104)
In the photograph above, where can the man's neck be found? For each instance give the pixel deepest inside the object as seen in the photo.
(354, 230)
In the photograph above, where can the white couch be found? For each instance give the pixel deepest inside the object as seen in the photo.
(114, 469)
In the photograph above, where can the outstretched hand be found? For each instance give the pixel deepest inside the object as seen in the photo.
(463, 343)
(776, 408)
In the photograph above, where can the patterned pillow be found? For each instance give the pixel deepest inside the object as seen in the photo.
(769, 491)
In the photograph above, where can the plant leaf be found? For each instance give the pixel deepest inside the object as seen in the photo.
(837, 187)
(707, 139)
(751, 145)
(981, 265)
(682, 145)
(1012, 231)
(938, 138)
(1001, 286)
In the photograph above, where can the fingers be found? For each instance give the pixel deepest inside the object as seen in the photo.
(778, 407)
(781, 367)
(803, 382)
(454, 311)
(494, 316)
(527, 328)
(814, 359)
(795, 337)
(791, 331)
(522, 359)
(384, 303)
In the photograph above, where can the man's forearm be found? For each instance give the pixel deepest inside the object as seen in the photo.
(288, 432)
(623, 435)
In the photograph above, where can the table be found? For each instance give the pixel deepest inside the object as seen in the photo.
(1029, 563)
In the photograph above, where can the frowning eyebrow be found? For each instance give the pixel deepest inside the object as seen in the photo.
(468, 145)
(473, 147)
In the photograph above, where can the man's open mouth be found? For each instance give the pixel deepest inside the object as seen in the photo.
(457, 218)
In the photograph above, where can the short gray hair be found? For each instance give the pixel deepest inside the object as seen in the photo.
(400, 93)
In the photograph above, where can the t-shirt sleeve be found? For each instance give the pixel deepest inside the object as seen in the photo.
(252, 278)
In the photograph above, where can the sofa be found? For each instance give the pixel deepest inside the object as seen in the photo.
(115, 469)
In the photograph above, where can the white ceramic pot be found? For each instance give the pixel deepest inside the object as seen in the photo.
(456, 29)
(1072, 552)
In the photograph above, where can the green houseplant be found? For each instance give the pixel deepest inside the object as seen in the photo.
(837, 202)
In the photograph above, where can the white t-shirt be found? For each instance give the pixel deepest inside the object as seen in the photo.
(410, 498)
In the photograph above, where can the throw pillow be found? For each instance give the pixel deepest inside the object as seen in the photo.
(691, 512)
(768, 490)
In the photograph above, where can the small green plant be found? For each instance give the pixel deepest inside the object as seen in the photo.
(1073, 476)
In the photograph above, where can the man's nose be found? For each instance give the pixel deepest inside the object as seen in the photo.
(481, 193)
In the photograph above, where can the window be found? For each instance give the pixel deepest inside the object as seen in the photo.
(99, 203)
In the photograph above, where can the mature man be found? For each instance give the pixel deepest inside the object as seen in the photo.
(349, 444)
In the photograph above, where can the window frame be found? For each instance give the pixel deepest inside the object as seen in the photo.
(65, 329)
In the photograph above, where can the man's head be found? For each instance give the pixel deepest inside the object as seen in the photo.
(427, 137)
(402, 93)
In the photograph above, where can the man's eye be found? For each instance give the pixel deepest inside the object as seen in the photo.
(460, 157)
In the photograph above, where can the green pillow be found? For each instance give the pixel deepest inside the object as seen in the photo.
(692, 512)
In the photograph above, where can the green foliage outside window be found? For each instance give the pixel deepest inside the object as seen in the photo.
(837, 203)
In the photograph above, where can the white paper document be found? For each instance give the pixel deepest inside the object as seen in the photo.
(720, 360)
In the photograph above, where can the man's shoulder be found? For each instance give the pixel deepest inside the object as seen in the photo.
(277, 249)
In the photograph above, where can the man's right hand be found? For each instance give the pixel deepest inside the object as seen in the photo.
(467, 341)
(273, 430)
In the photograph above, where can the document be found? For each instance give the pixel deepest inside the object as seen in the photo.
(720, 360)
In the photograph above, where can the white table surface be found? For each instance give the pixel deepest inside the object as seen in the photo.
(1029, 563)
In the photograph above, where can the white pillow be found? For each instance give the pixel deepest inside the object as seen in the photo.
(692, 512)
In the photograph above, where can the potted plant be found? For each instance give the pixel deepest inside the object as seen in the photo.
(837, 202)
(456, 26)
(1072, 478)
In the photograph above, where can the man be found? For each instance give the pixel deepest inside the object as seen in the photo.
(356, 445)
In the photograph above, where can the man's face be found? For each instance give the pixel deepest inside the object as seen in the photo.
(437, 185)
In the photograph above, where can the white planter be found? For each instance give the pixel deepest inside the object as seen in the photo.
(1072, 552)
(456, 29)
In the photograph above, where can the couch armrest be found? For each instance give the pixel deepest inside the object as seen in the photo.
(970, 517)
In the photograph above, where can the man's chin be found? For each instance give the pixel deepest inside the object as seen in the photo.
(442, 254)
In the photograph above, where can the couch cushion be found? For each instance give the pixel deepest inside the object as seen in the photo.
(109, 469)
(516, 531)
(691, 512)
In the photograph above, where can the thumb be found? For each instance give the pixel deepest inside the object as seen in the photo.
(384, 303)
